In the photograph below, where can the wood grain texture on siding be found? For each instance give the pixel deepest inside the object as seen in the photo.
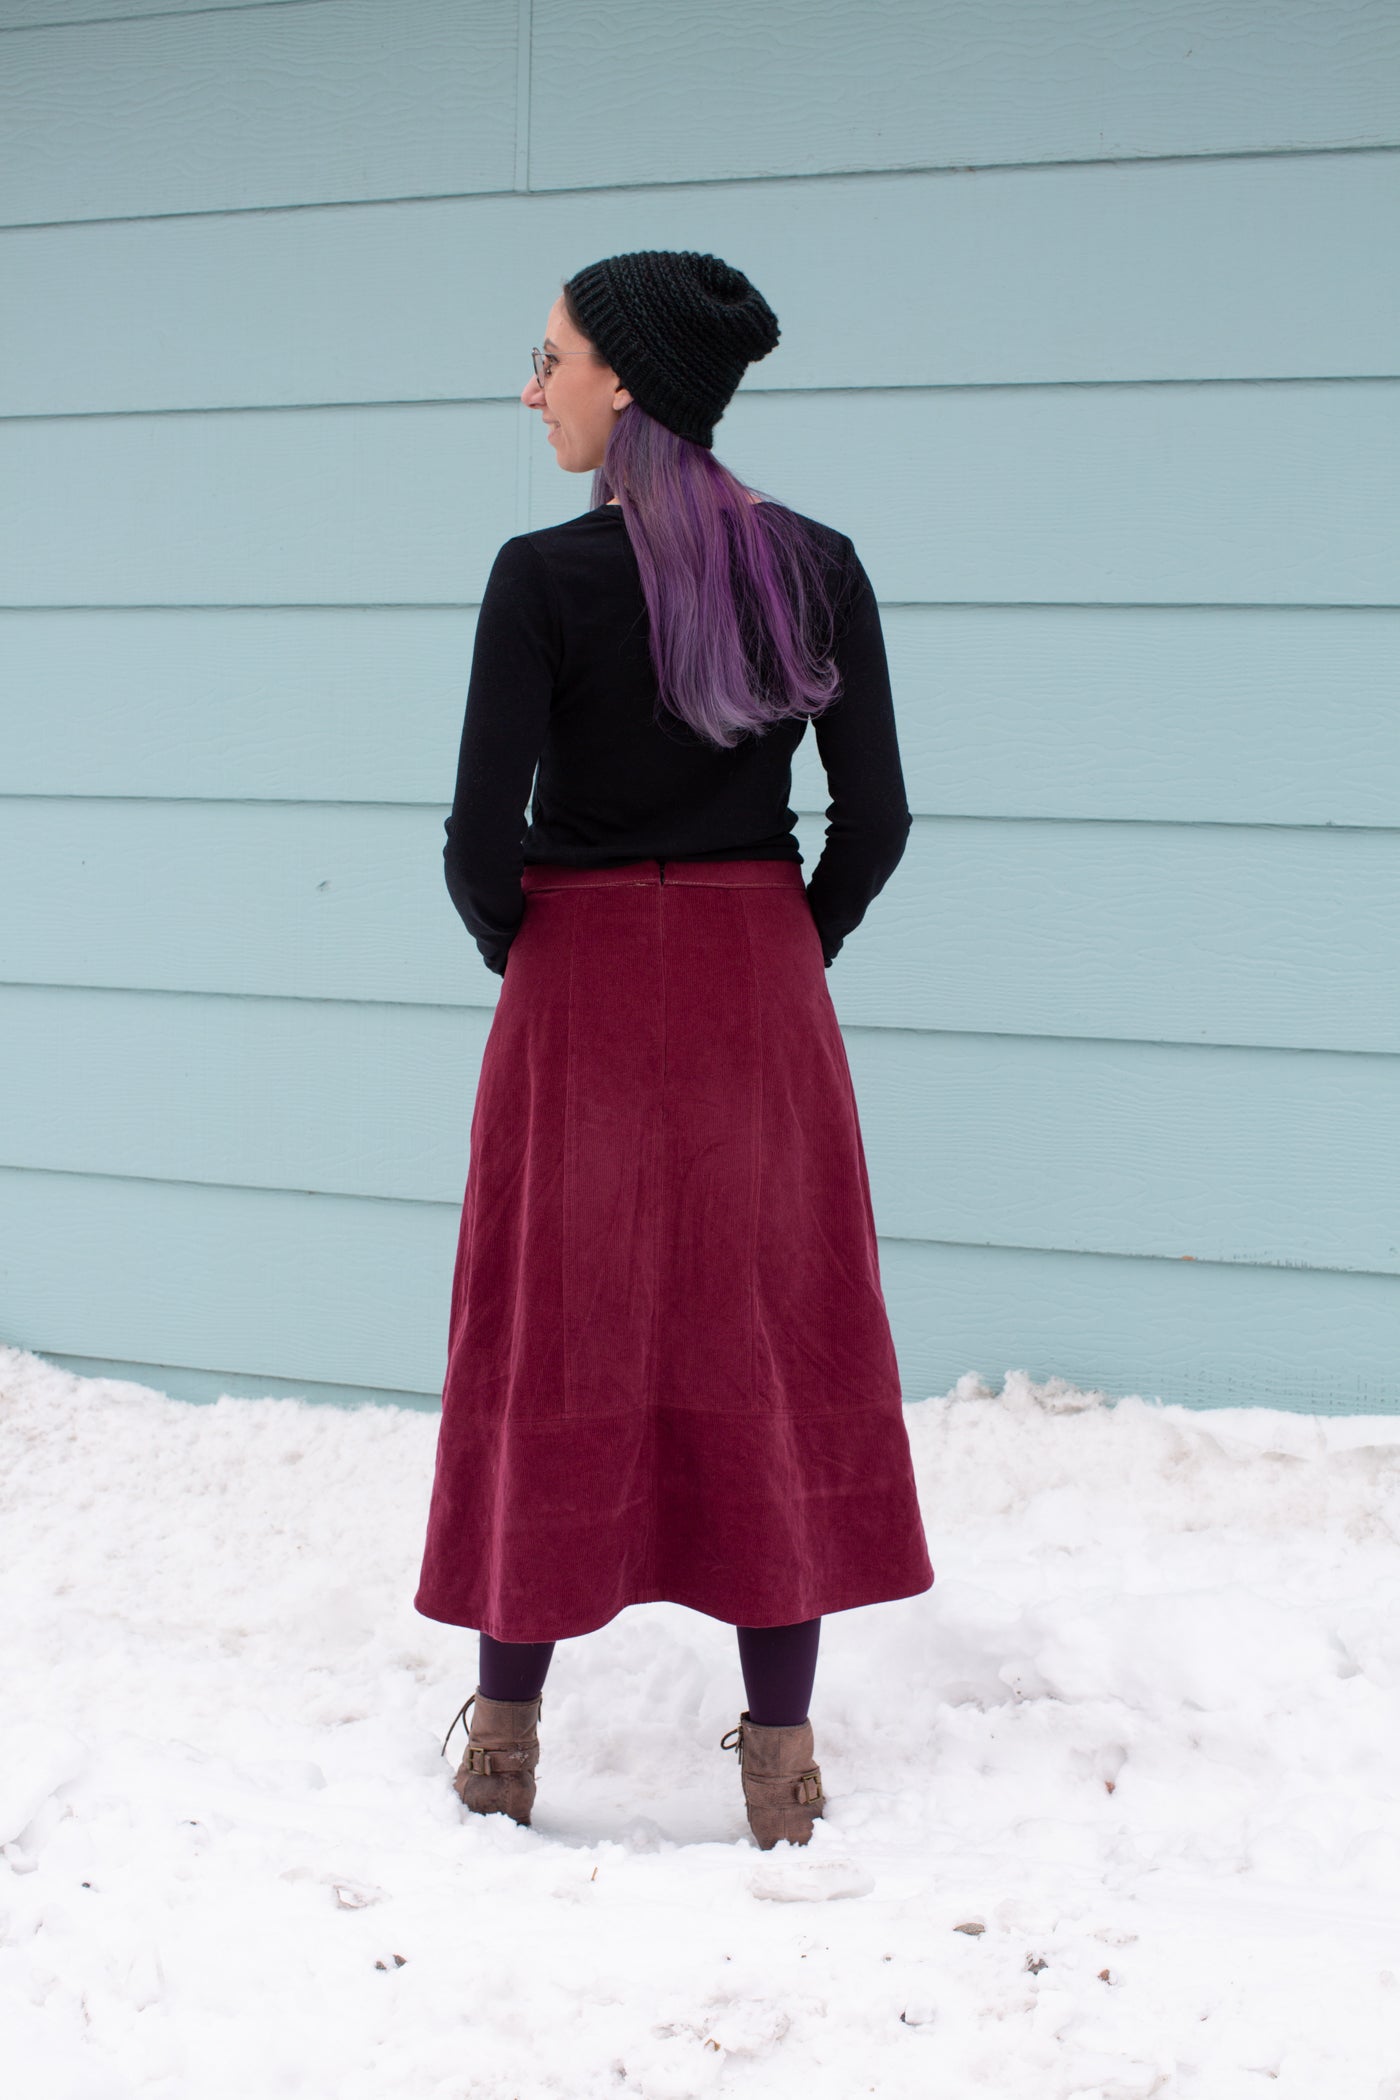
(48, 14)
(628, 91)
(353, 1293)
(1170, 933)
(1248, 269)
(1287, 715)
(1239, 1155)
(1275, 493)
(241, 108)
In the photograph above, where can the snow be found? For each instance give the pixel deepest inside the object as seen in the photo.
(1114, 1809)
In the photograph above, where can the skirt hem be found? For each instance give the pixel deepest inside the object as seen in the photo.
(810, 1609)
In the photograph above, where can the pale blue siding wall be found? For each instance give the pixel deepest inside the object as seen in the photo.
(1091, 321)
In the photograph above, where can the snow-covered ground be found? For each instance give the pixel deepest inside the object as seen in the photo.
(1114, 1808)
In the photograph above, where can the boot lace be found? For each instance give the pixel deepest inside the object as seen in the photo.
(461, 1715)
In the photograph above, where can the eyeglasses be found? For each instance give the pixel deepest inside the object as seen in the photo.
(546, 360)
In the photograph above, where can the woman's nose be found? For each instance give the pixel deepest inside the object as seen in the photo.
(532, 393)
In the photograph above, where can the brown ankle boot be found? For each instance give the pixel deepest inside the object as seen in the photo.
(497, 1772)
(782, 1782)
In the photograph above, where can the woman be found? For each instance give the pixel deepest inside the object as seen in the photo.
(670, 1371)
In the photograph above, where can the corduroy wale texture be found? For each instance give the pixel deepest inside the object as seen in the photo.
(678, 328)
(670, 1369)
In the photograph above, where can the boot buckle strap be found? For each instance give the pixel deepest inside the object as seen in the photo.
(808, 1787)
(480, 1759)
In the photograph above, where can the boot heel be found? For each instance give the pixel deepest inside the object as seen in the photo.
(497, 1772)
(782, 1781)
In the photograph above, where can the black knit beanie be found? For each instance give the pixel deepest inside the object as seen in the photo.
(677, 328)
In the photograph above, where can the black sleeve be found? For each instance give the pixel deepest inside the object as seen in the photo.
(868, 817)
(515, 659)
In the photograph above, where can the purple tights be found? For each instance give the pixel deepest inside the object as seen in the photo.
(779, 1665)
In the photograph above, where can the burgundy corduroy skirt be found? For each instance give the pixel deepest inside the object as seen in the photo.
(670, 1371)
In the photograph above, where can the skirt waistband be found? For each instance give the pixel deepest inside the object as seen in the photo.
(690, 874)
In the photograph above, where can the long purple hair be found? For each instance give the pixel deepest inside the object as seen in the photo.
(739, 595)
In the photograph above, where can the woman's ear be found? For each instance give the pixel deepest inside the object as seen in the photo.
(621, 397)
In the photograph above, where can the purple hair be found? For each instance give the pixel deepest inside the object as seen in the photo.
(738, 593)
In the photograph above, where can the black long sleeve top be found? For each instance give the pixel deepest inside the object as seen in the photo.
(562, 693)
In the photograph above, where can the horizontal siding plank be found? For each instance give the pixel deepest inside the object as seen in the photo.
(1191, 1333)
(1260, 494)
(1264, 494)
(247, 107)
(1190, 714)
(1181, 714)
(1171, 933)
(233, 109)
(183, 1382)
(1225, 715)
(1180, 1150)
(287, 899)
(336, 506)
(626, 91)
(317, 1095)
(345, 1292)
(48, 14)
(342, 1290)
(344, 704)
(1247, 269)
(1258, 1156)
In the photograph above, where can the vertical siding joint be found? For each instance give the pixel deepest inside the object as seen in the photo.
(522, 93)
(524, 425)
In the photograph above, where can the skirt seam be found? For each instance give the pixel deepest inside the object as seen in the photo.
(566, 1178)
(755, 1151)
(661, 1210)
